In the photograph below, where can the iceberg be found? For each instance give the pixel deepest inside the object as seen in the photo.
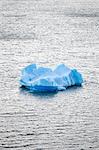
(42, 79)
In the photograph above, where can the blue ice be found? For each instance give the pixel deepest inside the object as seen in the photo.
(42, 79)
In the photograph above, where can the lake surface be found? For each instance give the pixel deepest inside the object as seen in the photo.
(49, 32)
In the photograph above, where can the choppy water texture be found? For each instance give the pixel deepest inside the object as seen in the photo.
(49, 32)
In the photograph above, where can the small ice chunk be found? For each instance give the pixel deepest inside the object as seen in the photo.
(45, 79)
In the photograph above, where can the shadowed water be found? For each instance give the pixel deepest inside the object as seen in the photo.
(48, 33)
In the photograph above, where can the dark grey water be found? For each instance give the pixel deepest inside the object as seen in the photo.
(48, 33)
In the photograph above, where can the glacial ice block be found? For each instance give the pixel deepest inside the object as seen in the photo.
(41, 79)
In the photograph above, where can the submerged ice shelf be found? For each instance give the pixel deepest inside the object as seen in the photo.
(41, 79)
